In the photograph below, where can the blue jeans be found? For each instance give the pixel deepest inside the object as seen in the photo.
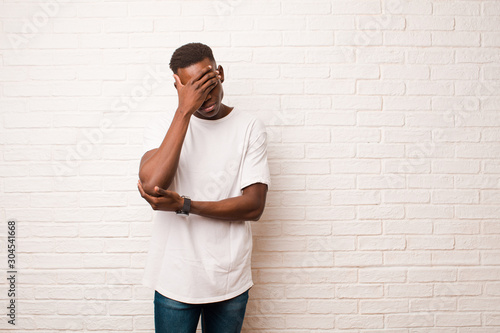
(220, 317)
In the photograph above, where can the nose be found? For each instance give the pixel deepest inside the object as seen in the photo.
(208, 97)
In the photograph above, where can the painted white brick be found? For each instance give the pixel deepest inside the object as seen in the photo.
(278, 56)
(27, 120)
(306, 167)
(454, 38)
(359, 7)
(382, 306)
(229, 23)
(490, 39)
(359, 38)
(77, 25)
(359, 259)
(413, 72)
(382, 22)
(329, 214)
(330, 54)
(358, 102)
(283, 23)
(329, 182)
(308, 38)
(306, 101)
(417, 38)
(355, 72)
(373, 87)
(300, 134)
(379, 55)
(429, 88)
(408, 258)
(383, 129)
(425, 22)
(103, 10)
(460, 8)
(409, 320)
(253, 39)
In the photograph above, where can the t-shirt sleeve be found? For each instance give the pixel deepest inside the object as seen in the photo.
(154, 132)
(255, 165)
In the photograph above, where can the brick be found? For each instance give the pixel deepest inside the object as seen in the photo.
(414, 38)
(425, 22)
(311, 228)
(355, 72)
(453, 38)
(361, 7)
(382, 306)
(460, 8)
(381, 22)
(310, 321)
(253, 39)
(405, 258)
(308, 38)
(329, 182)
(329, 55)
(490, 39)
(27, 120)
(278, 56)
(300, 134)
(77, 25)
(191, 23)
(102, 10)
(381, 243)
(409, 72)
(338, 87)
(305, 168)
(380, 88)
(333, 243)
(378, 150)
(304, 71)
(332, 118)
(356, 197)
(329, 151)
(430, 243)
(409, 320)
(156, 40)
(359, 38)
(359, 259)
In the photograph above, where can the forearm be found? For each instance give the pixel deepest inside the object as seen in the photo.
(242, 208)
(159, 169)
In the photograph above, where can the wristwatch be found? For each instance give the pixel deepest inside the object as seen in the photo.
(186, 207)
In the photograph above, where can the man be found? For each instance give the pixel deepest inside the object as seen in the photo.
(205, 174)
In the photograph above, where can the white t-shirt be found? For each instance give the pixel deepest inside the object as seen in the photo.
(196, 259)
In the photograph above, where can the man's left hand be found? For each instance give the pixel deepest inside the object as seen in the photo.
(163, 199)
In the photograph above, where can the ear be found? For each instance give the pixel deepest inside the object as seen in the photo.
(221, 73)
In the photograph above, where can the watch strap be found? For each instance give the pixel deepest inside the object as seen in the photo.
(186, 207)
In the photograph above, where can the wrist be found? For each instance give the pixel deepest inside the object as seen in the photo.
(180, 203)
(185, 112)
(186, 206)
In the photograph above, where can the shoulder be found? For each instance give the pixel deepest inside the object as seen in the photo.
(250, 120)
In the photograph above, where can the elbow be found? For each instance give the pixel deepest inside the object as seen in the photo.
(148, 188)
(147, 185)
(256, 213)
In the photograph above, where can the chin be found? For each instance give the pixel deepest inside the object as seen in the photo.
(212, 114)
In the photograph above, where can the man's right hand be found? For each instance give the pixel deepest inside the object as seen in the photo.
(193, 94)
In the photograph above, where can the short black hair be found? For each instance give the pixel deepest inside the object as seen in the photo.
(190, 54)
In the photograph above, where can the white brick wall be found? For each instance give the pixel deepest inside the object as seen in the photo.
(384, 122)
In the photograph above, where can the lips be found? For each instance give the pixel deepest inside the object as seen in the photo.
(208, 109)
